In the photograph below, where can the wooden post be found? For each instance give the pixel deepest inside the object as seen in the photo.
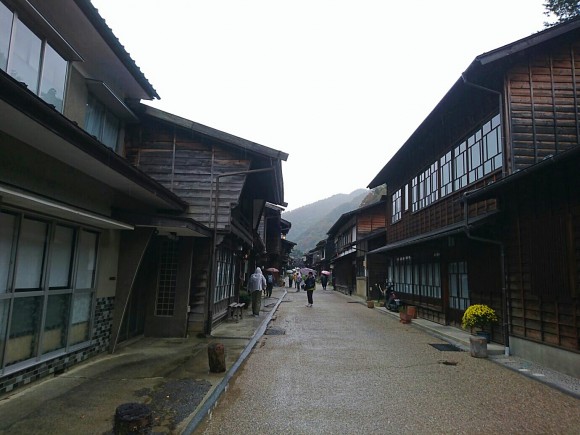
(133, 418)
(217, 357)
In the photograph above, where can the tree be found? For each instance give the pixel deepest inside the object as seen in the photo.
(564, 10)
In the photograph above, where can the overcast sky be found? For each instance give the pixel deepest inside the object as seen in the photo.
(338, 85)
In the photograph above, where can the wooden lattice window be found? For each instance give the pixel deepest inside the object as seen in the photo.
(165, 301)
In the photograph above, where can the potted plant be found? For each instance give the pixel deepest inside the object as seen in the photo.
(404, 315)
(478, 317)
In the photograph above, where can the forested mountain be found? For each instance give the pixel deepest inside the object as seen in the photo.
(311, 222)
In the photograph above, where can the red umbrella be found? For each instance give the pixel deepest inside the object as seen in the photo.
(272, 269)
(325, 272)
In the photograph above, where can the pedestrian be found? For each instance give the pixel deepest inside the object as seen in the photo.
(298, 281)
(323, 281)
(269, 284)
(256, 284)
(290, 280)
(309, 286)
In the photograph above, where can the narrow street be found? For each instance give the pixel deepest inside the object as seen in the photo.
(342, 368)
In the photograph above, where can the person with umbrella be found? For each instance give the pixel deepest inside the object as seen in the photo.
(269, 283)
(323, 279)
(309, 286)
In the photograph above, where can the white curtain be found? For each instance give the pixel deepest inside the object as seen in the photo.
(30, 255)
(61, 256)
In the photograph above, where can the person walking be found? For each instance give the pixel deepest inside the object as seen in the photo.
(323, 281)
(269, 284)
(309, 286)
(298, 281)
(290, 280)
(256, 285)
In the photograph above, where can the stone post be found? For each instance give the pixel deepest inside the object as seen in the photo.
(478, 346)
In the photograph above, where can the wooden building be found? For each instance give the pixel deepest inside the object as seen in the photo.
(93, 249)
(273, 230)
(226, 182)
(484, 204)
(352, 236)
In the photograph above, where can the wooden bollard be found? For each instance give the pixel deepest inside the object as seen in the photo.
(133, 418)
(217, 357)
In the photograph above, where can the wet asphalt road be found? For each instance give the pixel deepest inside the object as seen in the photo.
(341, 368)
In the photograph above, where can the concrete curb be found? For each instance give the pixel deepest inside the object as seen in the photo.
(206, 407)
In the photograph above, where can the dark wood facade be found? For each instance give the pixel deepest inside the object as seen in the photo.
(226, 182)
(353, 235)
(494, 217)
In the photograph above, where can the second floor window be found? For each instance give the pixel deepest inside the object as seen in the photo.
(425, 188)
(478, 155)
(101, 123)
(460, 166)
(396, 214)
(31, 60)
(446, 174)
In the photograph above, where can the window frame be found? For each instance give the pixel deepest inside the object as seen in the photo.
(35, 84)
(40, 335)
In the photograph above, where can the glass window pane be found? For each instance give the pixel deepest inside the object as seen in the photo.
(87, 260)
(464, 286)
(7, 222)
(61, 257)
(24, 58)
(5, 31)
(81, 317)
(30, 256)
(56, 324)
(23, 337)
(53, 79)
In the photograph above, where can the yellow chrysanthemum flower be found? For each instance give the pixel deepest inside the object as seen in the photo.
(478, 316)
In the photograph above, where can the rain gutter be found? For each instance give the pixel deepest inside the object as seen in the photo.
(501, 114)
(505, 303)
(209, 316)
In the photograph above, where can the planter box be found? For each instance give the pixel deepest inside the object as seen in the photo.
(405, 317)
(371, 304)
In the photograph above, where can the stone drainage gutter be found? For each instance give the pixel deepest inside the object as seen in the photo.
(207, 406)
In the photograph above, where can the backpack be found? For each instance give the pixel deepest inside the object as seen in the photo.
(270, 279)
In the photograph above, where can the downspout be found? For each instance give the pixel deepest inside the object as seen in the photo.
(505, 300)
(501, 114)
(209, 317)
(466, 229)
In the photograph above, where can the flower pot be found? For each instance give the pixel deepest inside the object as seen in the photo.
(405, 317)
(485, 335)
(371, 304)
